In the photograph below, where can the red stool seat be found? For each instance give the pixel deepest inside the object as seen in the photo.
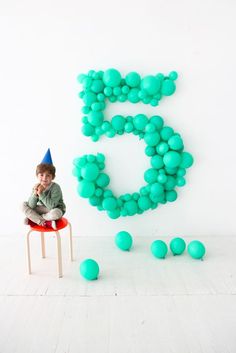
(61, 223)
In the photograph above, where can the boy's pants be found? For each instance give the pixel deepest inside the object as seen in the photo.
(41, 213)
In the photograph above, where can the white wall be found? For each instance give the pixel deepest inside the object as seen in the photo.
(46, 44)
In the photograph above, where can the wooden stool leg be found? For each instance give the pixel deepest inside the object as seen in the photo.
(59, 257)
(28, 252)
(43, 245)
(71, 245)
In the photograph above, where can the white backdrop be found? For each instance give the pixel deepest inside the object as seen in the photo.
(46, 44)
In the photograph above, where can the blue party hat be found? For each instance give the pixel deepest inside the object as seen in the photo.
(47, 159)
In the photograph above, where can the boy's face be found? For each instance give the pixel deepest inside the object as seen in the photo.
(45, 179)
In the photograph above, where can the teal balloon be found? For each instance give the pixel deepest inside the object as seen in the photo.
(196, 249)
(123, 240)
(157, 121)
(175, 142)
(162, 148)
(109, 204)
(114, 214)
(90, 171)
(131, 207)
(140, 121)
(171, 195)
(186, 160)
(89, 269)
(150, 84)
(166, 132)
(88, 129)
(168, 87)
(152, 138)
(133, 96)
(95, 118)
(103, 180)
(144, 203)
(89, 98)
(172, 159)
(157, 162)
(112, 78)
(159, 249)
(177, 246)
(86, 188)
(118, 122)
(150, 175)
(97, 86)
(132, 79)
(157, 189)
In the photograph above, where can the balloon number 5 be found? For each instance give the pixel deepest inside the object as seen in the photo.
(163, 145)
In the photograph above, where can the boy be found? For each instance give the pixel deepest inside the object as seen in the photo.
(45, 204)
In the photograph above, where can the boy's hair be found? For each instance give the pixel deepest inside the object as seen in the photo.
(44, 167)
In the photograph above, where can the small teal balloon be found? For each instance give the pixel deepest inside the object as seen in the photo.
(123, 240)
(196, 249)
(177, 246)
(159, 249)
(89, 269)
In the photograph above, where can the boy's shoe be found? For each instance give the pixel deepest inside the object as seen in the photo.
(28, 222)
(50, 224)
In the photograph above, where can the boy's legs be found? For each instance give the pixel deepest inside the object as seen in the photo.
(35, 215)
(53, 214)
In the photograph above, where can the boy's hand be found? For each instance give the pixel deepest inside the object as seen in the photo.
(40, 189)
(35, 189)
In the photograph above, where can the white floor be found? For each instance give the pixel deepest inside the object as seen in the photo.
(138, 305)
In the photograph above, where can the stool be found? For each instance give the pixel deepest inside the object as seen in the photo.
(61, 223)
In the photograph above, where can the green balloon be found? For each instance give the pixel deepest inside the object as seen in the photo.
(109, 204)
(166, 133)
(196, 249)
(111, 78)
(86, 188)
(132, 79)
(159, 249)
(168, 87)
(150, 84)
(89, 269)
(114, 214)
(171, 195)
(90, 171)
(89, 98)
(172, 159)
(175, 142)
(131, 207)
(157, 162)
(177, 246)
(88, 129)
(123, 240)
(157, 121)
(140, 121)
(144, 203)
(152, 138)
(186, 160)
(157, 189)
(150, 175)
(97, 86)
(162, 148)
(103, 180)
(95, 118)
(118, 122)
(133, 95)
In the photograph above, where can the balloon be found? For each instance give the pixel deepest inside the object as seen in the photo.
(159, 249)
(164, 146)
(89, 269)
(111, 78)
(133, 79)
(177, 246)
(196, 249)
(123, 240)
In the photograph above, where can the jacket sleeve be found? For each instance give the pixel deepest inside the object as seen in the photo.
(51, 199)
(32, 202)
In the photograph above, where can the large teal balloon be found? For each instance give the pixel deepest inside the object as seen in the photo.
(177, 246)
(111, 78)
(109, 204)
(186, 160)
(196, 249)
(86, 188)
(123, 240)
(150, 84)
(159, 249)
(172, 159)
(133, 79)
(168, 87)
(90, 171)
(89, 269)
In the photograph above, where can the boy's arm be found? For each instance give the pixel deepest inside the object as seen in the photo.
(33, 200)
(51, 200)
